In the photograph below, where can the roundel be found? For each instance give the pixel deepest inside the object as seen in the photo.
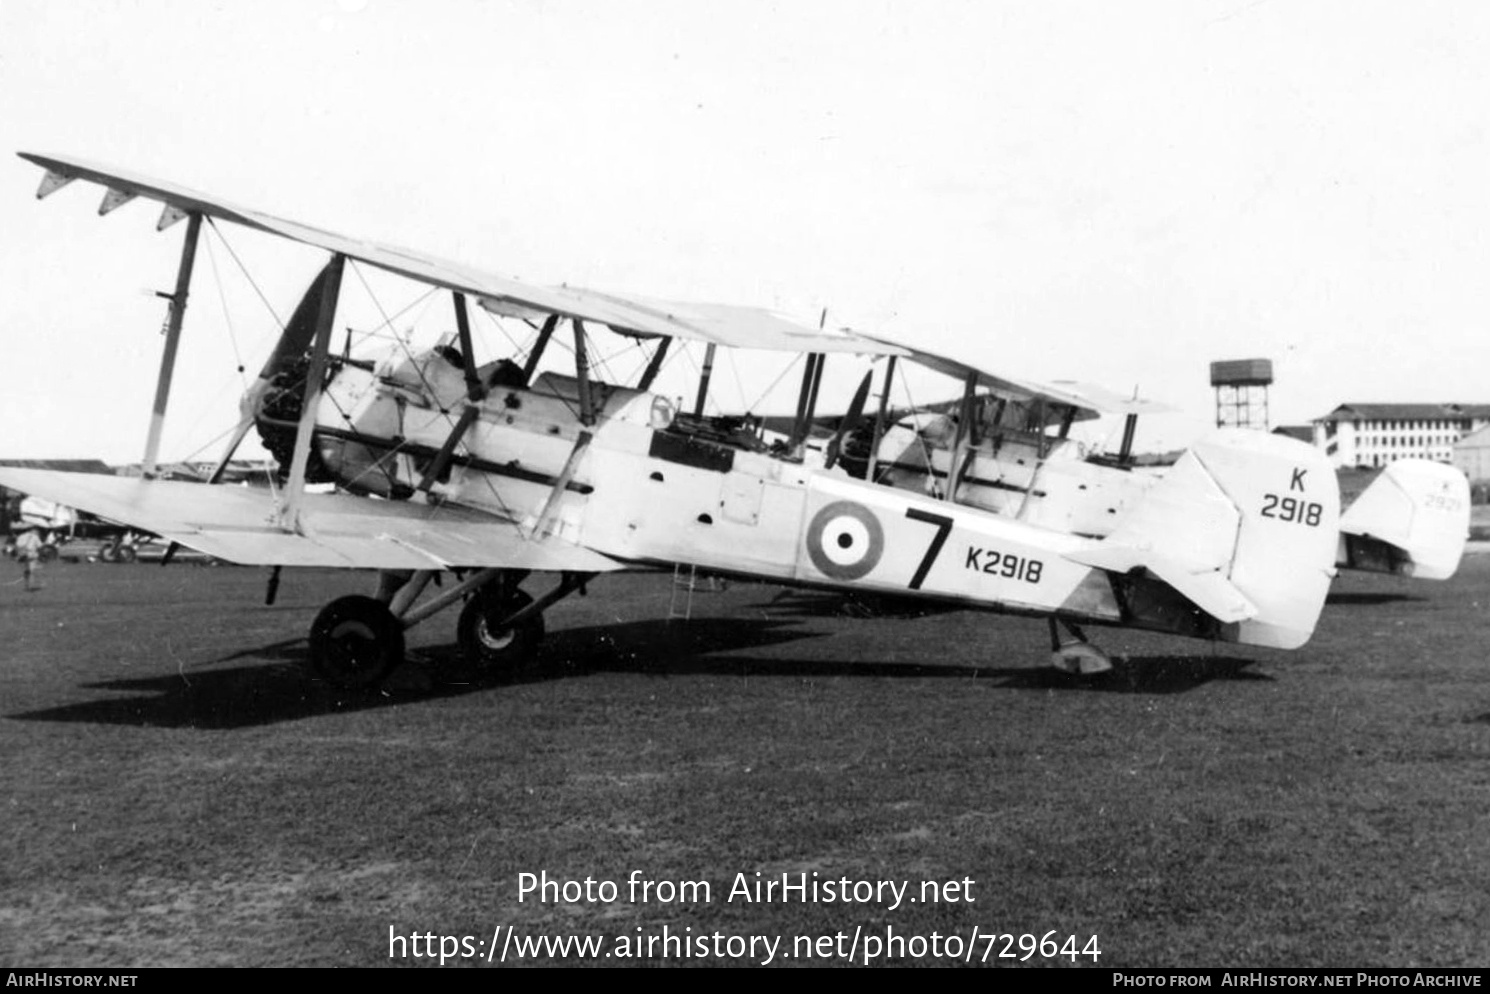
(845, 540)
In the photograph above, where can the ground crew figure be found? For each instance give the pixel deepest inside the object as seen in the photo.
(28, 551)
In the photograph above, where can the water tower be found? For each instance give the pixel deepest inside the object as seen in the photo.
(1242, 392)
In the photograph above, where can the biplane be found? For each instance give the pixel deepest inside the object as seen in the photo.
(1019, 460)
(503, 472)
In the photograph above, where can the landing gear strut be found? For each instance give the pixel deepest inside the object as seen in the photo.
(1078, 657)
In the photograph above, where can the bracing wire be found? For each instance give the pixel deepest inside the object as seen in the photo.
(493, 320)
(212, 399)
(921, 441)
(388, 323)
(246, 274)
(772, 385)
(227, 316)
(734, 367)
(379, 464)
(428, 387)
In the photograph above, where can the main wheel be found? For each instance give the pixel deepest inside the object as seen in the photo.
(486, 645)
(47, 553)
(355, 642)
(109, 552)
(128, 553)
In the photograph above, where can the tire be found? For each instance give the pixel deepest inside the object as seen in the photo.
(109, 552)
(355, 642)
(47, 553)
(128, 553)
(487, 648)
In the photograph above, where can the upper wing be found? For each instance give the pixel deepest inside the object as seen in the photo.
(1106, 401)
(1018, 390)
(239, 524)
(733, 327)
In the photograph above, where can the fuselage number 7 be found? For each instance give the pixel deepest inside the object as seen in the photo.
(943, 528)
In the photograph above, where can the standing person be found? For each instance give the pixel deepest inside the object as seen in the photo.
(28, 551)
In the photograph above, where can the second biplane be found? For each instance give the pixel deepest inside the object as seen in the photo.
(498, 472)
(1015, 457)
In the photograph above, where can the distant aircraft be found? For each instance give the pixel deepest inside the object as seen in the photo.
(55, 524)
(59, 524)
(497, 472)
(47, 515)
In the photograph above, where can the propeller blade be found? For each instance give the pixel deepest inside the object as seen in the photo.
(850, 420)
(301, 328)
(274, 398)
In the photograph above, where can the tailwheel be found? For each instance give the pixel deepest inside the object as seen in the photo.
(1079, 658)
(355, 642)
(485, 642)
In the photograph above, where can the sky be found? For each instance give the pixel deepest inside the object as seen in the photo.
(1114, 193)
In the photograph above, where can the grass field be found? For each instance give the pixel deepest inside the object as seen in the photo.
(178, 790)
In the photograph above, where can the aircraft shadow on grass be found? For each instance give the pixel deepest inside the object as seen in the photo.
(1129, 675)
(1345, 599)
(817, 604)
(211, 696)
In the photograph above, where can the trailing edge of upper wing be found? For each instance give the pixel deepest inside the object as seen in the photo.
(237, 524)
(1087, 400)
(721, 324)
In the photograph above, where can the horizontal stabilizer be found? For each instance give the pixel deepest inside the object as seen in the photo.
(1183, 532)
(238, 524)
(1210, 590)
(1207, 588)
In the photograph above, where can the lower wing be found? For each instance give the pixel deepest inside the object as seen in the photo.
(239, 524)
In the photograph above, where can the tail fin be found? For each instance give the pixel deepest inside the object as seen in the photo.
(1412, 520)
(1245, 527)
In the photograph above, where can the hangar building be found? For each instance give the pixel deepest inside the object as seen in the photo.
(1472, 455)
(1372, 435)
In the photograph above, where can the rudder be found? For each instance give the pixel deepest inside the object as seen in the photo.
(1289, 503)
